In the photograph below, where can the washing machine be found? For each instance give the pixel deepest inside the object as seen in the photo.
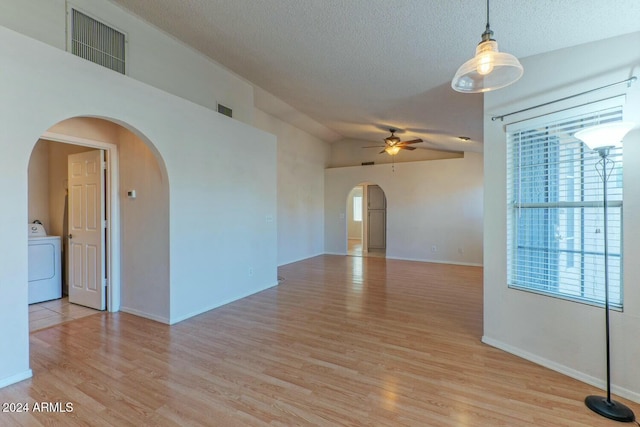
(45, 276)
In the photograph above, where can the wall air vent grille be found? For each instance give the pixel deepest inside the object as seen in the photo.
(225, 110)
(97, 42)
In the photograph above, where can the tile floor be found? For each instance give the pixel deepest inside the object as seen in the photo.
(51, 313)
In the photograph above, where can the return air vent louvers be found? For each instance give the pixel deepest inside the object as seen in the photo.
(97, 42)
(225, 110)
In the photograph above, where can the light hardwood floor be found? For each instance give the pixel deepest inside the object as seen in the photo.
(354, 248)
(342, 341)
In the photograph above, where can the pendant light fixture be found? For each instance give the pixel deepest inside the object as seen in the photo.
(489, 69)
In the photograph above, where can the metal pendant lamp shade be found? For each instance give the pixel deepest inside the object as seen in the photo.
(490, 69)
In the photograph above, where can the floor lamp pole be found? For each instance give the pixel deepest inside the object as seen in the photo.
(605, 406)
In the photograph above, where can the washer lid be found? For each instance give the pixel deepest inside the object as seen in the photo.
(36, 230)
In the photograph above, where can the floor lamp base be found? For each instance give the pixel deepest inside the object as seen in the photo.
(612, 410)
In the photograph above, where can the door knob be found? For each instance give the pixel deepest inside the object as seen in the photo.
(70, 236)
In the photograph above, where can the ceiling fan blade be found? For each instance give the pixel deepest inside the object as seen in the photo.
(373, 146)
(382, 151)
(413, 141)
(407, 148)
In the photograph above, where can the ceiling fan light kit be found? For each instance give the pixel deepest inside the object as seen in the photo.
(392, 150)
(393, 144)
(489, 69)
(392, 140)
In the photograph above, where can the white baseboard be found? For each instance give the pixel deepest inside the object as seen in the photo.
(467, 264)
(16, 378)
(565, 370)
(178, 319)
(149, 316)
(300, 259)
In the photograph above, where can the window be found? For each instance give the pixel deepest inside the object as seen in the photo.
(555, 209)
(357, 208)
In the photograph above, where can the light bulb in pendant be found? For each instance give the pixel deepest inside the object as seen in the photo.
(485, 64)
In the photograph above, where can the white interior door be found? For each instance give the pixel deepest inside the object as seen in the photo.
(376, 218)
(86, 229)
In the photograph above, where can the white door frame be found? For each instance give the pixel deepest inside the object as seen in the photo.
(112, 211)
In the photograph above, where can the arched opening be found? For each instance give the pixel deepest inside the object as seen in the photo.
(129, 214)
(366, 221)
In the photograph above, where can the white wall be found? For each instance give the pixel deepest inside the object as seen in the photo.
(153, 57)
(436, 202)
(563, 335)
(222, 246)
(301, 162)
(39, 186)
(145, 261)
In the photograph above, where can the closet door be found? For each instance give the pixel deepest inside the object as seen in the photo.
(377, 218)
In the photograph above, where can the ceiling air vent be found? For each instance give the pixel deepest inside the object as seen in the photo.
(97, 42)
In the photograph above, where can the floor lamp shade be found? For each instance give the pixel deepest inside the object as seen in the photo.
(605, 135)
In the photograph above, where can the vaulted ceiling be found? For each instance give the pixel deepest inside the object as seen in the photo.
(358, 67)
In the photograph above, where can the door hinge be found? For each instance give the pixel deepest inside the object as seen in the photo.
(104, 166)
(104, 224)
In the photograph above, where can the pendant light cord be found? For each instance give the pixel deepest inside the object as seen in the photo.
(487, 15)
(487, 31)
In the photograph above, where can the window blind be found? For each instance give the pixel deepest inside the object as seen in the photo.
(555, 207)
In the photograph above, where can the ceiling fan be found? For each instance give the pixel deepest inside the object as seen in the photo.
(393, 145)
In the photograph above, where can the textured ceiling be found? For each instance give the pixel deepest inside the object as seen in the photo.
(359, 66)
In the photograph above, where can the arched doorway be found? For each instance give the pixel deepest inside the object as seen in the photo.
(366, 221)
(135, 263)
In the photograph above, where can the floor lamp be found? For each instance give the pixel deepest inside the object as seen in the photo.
(601, 139)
